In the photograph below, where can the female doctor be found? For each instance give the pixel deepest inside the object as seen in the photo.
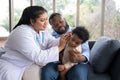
(29, 43)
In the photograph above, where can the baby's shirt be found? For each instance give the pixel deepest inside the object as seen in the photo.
(66, 60)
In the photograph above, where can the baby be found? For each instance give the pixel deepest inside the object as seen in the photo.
(79, 36)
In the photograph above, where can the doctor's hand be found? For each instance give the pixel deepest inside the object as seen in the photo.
(63, 40)
(76, 57)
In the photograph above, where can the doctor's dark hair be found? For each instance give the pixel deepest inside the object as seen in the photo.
(31, 12)
(81, 32)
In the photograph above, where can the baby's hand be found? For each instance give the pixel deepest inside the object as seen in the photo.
(74, 56)
(61, 67)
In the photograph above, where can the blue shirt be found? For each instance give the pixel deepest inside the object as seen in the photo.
(85, 46)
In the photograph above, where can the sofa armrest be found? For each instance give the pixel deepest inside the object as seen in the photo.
(115, 67)
(91, 43)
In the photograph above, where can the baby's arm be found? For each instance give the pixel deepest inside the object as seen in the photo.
(61, 67)
(63, 71)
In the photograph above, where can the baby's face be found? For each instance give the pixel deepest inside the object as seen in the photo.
(74, 41)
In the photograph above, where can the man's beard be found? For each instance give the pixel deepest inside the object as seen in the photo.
(66, 29)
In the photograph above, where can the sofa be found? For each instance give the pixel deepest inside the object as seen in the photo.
(104, 61)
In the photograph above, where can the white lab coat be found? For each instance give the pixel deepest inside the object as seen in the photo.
(23, 48)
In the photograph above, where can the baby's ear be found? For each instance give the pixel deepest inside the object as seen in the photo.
(68, 34)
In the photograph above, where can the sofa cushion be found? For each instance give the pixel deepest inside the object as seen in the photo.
(103, 53)
(97, 76)
(32, 73)
(115, 67)
(91, 43)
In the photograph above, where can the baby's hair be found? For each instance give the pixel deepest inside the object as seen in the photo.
(81, 32)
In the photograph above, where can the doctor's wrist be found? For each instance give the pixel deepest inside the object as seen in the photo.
(60, 48)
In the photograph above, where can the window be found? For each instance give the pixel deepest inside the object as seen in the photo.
(100, 17)
(47, 4)
(19, 6)
(4, 18)
(112, 19)
(68, 9)
(90, 16)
